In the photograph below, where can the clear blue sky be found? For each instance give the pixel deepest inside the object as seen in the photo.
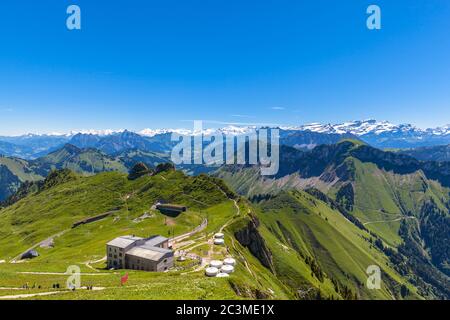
(138, 64)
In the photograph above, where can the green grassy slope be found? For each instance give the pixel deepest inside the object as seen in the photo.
(13, 172)
(305, 235)
(41, 215)
(83, 161)
(51, 213)
(20, 168)
(384, 199)
(404, 204)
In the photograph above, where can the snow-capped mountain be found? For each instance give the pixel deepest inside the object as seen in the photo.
(228, 130)
(380, 134)
(367, 127)
(105, 132)
(440, 131)
(357, 127)
(384, 134)
(154, 132)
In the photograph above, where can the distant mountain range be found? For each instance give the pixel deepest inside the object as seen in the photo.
(383, 134)
(30, 157)
(378, 134)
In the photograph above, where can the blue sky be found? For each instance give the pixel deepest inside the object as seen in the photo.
(138, 64)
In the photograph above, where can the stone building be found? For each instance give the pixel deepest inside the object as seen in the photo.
(136, 253)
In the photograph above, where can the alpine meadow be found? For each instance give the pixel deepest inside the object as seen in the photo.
(235, 158)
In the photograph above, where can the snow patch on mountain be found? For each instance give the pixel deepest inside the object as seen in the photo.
(154, 132)
(106, 132)
(357, 127)
(372, 127)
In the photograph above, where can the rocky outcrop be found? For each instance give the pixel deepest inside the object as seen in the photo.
(250, 238)
(139, 169)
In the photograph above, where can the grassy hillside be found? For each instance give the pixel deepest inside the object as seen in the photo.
(43, 214)
(403, 203)
(316, 245)
(47, 217)
(384, 199)
(130, 157)
(83, 161)
(308, 233)
(13, 172)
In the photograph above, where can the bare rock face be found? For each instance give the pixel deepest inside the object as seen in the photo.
(250, 238)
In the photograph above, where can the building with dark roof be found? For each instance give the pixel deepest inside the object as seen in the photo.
(136, 253)
(170, 209)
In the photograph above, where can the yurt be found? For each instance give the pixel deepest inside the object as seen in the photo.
(211, 272)
(219, 235)
(219, 241)
(216, 264)
(222, 275)
(229, 261)
(227, 269)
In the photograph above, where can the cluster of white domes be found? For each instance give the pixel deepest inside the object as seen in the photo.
(219, 239)
(220, 269)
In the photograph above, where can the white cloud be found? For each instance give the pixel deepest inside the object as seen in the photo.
(241, 116)
(277, 108)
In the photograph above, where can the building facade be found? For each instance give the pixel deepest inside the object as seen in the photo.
(146, 254)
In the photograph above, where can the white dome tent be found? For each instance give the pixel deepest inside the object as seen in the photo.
(227, 269)
(216, 264)
(222, 275)
(211, 271)
(229, 261)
